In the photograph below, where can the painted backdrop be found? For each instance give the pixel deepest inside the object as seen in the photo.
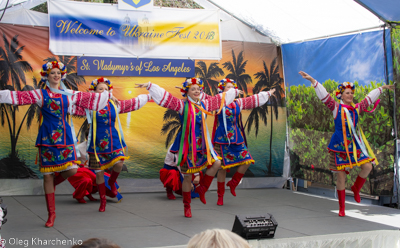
(148, 131)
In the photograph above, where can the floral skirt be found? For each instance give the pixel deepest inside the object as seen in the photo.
(233, 155)
(339, 161)
(201, 163)
(56, 159)
(106, 160)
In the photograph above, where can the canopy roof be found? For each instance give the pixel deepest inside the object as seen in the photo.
(294, 20)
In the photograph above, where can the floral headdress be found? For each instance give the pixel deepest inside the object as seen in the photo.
(189, 82)
(46, 69)
(223, 82)
(97, 81)
(341, 88)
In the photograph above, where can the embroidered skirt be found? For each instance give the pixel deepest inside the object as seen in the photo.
(339, 161)
(233, 155)
(106, 160)
(57, 159)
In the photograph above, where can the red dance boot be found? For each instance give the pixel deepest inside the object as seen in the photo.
(234, 182)
(58, 179)
(111, 182)
(170, 194)
(221, 192)
(187, 199)
(357, 187)
(81, 200)
(103, 200)
(203, 187)
(342, 200)
(51, 209)
(91, 198)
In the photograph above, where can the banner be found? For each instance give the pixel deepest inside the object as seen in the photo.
(105, 31)
(95, 66)
(358, 58)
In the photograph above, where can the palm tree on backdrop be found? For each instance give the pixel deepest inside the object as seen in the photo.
(237, 71)
(12, 77)
(13, 74)
(171, 126)
(267, 79)
(206, 75)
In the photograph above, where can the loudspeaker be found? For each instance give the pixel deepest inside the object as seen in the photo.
(255, 226)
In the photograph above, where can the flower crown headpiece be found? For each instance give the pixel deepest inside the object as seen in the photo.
(46, 69)
(97, 81)
(189, 82)
(223, 82)
(341, 88)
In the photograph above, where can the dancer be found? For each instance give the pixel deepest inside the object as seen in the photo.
(193, 143)
(106, 143)
(346, 148)
(84, 181)
(229, 140)
(56, 138)
(172, 178)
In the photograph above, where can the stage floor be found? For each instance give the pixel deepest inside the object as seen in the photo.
(151, 220)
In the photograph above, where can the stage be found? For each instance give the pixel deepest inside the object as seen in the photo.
(151, 220)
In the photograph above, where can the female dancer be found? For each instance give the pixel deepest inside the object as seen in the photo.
(228, 139)
(56, 138)
(106, 143)
(346, 148)
(193, 143)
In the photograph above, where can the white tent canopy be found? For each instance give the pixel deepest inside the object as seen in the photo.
(294, 20)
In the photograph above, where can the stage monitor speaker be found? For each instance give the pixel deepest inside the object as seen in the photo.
(255, 226)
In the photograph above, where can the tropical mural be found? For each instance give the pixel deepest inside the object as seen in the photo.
(150, 130)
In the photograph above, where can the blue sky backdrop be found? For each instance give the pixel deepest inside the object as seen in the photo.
(357, 57)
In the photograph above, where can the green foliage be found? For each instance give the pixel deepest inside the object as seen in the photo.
(396, 68)
(312, 125)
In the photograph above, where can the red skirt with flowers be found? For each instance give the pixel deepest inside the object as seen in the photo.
(233, 155)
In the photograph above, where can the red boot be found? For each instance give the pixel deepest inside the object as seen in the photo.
(170, 194)
(203, 187)
(80, 200)
(357, 187)
(342, 200)
(58, 179)
(91, 198)
(111, 182)
(187, 199)
(221, 192)
(234, 182)
(51, 209)
(103, 200)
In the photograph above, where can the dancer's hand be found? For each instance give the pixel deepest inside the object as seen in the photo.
(196, 179)
(306, 76)
(388, 87)
(115, 100)
(271, 92)
(192, 188)
(241, 92)
(142, 85)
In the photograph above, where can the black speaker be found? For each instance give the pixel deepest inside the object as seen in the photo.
(255, 226)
